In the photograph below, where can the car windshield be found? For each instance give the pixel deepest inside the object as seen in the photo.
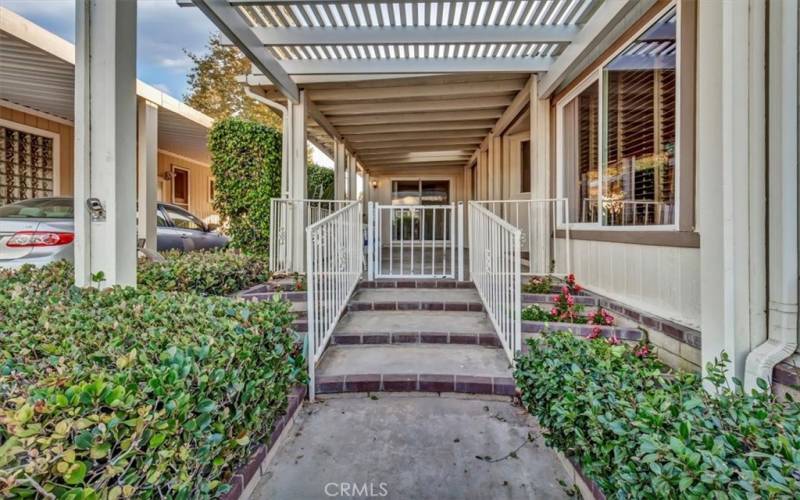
(41, 208)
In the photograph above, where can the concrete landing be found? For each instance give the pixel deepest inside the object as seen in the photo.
(414, 321)
(435, 359)
(422, 447)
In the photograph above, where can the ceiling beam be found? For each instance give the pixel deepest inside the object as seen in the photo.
(423, 163)
(416, 146)
(401, 35)
(415, 90)
(233, 26)
(412, 155)
(416, 65)
(611, 16)
(441, 116)
(417, 127)
(358, 140)
(464, 104)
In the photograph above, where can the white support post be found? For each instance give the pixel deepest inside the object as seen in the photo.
(365, 189)
(294, 177)
(730, 118)
(105, 142)
(352, 179)
(147, 144)
(339, 168)
(460, 234)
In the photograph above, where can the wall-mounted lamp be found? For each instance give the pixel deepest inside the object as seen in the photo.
(374, 184)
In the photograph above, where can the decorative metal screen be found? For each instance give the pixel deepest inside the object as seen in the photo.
(26, 165)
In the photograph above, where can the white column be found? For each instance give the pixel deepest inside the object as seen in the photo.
(352, 176)
(367, 189)
(339, 168)
(731, 168)
(147, 145)
(540, 145)
(294, 178)
(105, 142)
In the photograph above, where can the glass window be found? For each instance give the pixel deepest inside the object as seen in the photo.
(180, 187)
(580, 154)
(639, 173)
(26, 165)
(161, 220)
(525, 166)
(184, 220)
(39, 208)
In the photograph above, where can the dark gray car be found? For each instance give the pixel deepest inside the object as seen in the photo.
(42, 230)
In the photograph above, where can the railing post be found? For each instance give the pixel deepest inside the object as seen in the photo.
(371, 241)
(460, 232)
(311, 335)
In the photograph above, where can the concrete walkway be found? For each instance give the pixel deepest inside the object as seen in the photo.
(414, 447)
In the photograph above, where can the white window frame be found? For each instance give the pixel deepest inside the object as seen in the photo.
(54, 136)
(448, 180)
(598, 76)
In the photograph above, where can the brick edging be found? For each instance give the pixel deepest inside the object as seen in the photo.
(631, 334)
(401, 305)
(586, 486)
(251, 471)
(417, 283)
(416, 382)
(489, 339)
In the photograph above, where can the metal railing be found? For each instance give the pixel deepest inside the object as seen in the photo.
(419, 241)
(334, 264)
(495, 268)
(537, 221)
(288, 220)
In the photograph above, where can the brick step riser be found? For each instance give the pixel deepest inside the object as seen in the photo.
(541, 298)
(482, 339)
(465, 285)
(416, 306)
(497, 386)
(290, 296)
(631, 334)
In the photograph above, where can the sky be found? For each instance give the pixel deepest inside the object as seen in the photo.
(164, 31)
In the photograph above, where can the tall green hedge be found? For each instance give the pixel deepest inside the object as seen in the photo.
(246, 162)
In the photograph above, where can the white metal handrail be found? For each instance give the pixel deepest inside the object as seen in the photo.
(288, 220)
(495, 268)
(334, 264)
(537, 221)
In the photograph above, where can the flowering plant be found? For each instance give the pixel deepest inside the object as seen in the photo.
(538, 284)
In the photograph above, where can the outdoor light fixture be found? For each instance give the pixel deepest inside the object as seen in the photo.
(374, 184)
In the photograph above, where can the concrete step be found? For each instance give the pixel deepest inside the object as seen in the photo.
(415, 299)
(414, 322)
(431, 368)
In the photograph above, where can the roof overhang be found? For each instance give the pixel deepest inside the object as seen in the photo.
(37, 73)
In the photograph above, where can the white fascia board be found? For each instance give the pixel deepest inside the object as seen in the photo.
(416, 66)
(231, 24)
(376, 35)
(608, 17)
(33, 34)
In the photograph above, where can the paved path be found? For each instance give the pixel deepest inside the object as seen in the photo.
(413, 447)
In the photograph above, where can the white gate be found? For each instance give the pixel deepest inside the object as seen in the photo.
(416, 241)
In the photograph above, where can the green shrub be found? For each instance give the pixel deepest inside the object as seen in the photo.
(539, 284)
(204, 272)
(320, 182)
(135, 393)
(641, 432)
(246, 162)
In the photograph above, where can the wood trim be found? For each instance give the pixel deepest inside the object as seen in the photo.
(686, 115)
(680, 239)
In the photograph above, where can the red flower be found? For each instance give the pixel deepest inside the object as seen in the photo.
(642, 352)
(570, 300)
(556, 298)
(595, 333)
(613, 340)
(571, 279)
(554, 311)
(577, 288)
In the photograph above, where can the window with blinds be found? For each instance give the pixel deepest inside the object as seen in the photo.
(639, 168)
(580, 154)
(26, 165)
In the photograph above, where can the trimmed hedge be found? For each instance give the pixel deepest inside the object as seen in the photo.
(246, 163)
(320, 182)
(133, 393)
(641, 432)
(203, 272)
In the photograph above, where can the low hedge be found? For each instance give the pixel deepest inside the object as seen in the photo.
(640, 431)
(220, 272)
(134, 393)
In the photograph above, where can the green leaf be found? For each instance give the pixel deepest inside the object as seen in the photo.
(156, 440)
(75, 473)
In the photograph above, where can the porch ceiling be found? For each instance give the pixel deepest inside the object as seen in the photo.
(414, 81)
